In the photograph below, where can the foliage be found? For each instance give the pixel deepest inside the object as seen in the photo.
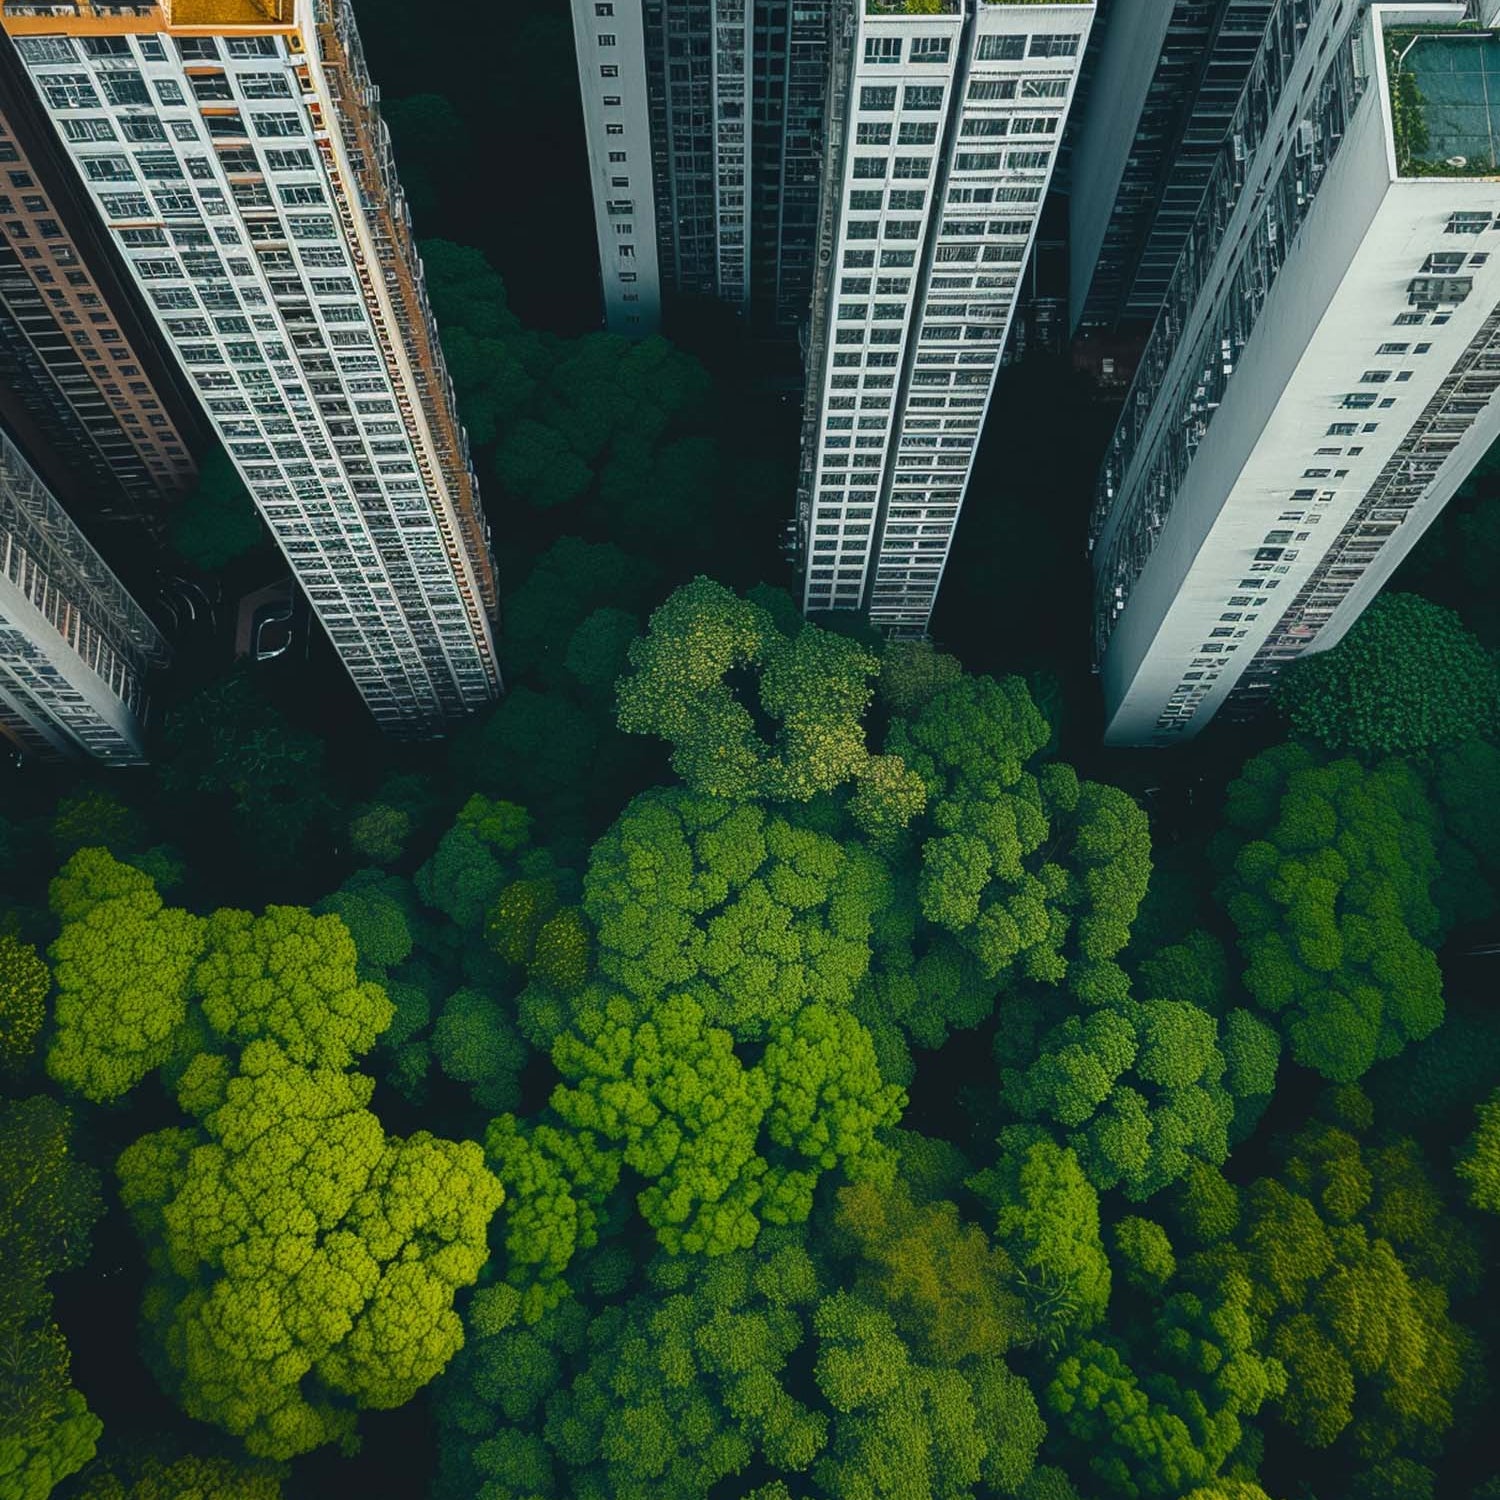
(475, 1042)
(304, 1262)
(122, 963)
(1329, 876)
(226, 741)
(1406, 677)
(24, 983)
(217, 522)
(813, 685)
(722, 1146)
(48, 1203)
(745, 910)
(1037, 873)
(1479, 1161)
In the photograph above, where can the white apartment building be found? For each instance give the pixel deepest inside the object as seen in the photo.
(235, 152)
(1322, 376)
(944, 130)
(610, 43)
(75, 648)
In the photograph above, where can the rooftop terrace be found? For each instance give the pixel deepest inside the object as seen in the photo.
(1445, 101)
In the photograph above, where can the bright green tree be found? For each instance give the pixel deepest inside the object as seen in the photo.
(1479, 1161)
(304, 1262)
(292, 977)
(750, 913)
(122, 963)
(24, 983)
(813, 685)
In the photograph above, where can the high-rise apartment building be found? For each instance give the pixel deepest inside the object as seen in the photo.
(75, 648)
(79, 376)
(944, 129)
(1323, 372)
(234, 150)
(704, 121)
(1168, 76)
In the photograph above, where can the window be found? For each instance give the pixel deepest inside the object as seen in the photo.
(278, 125)
(108, 169)
(609, 70)
(1410, 319)
(251, 46)
(1443, 262)
(925, 96)
(264, 86)
(198, 49)
(88, 130)
(883, 51)
(859, 259)
(46, 49)
(929, 49)
(1358, 400)
(169, 92)
(977, 161)
(1343, 429)
(125, 88)
(984, 89)
(606, 39)
(897, 259)
(1054, 44)
(913, 166)
(1044, 88)
(1375, 377)
(1468, 223)
(289, 161)
(613, 101)
(880, 98)
(70, 91)
(869, 168)
(917, 133)
(604, 10)
(614, 130)
(872, 133)
(911, 201)
(1023, 161)
(1393, 348)
(617, 156)
(1002, 48)
(143, 128)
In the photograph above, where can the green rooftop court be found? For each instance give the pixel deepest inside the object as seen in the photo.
(1445, 101)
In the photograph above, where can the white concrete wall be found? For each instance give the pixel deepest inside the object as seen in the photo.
(631, 306)
(1331, 308)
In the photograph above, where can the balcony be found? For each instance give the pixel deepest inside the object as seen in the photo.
(1444, 101)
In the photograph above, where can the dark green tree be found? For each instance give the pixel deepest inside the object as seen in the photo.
(1407, 677)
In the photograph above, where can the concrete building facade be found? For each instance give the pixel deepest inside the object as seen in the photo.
(235, 152)
(1323, 372)
(75, 648)
(942, 141)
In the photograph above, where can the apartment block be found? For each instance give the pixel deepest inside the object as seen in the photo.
(704, 124)
(81, 379)
(235, 152)
(944, 129)
(1167, 77)
(75, 648)
(1323, 371)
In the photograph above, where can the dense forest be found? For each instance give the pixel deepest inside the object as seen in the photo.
(755, 1061)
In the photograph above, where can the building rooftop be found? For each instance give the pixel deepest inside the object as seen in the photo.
(228, 12)
(1445, 101)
